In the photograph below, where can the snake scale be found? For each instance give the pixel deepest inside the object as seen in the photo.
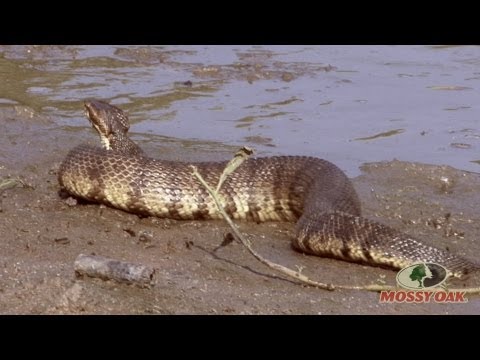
(311, 191)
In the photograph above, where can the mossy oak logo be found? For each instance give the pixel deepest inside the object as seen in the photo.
(421, 276)
(425, 283)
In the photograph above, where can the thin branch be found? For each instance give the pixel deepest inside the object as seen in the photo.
(238, 159)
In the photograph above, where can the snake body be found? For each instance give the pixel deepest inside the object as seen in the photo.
(311, 191)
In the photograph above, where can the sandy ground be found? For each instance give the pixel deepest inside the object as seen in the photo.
(42, 234)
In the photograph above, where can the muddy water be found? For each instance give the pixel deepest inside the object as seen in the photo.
(349, 104)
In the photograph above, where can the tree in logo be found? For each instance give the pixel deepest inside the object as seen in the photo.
(420, 273)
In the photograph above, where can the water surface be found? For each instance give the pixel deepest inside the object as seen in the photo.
(348, 104)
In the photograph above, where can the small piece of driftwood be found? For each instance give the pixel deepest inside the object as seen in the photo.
(111, 269)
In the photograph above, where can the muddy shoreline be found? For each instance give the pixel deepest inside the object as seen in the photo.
(42, 234)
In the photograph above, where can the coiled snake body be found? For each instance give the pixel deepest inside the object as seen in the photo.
(313, 192)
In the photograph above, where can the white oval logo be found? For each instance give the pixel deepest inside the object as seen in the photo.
(422, 276)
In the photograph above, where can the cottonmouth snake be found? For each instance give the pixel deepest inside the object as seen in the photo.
(313, 192)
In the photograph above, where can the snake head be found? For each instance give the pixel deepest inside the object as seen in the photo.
(108, 120)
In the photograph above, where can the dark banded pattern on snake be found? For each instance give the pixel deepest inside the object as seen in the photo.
(313, 192)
